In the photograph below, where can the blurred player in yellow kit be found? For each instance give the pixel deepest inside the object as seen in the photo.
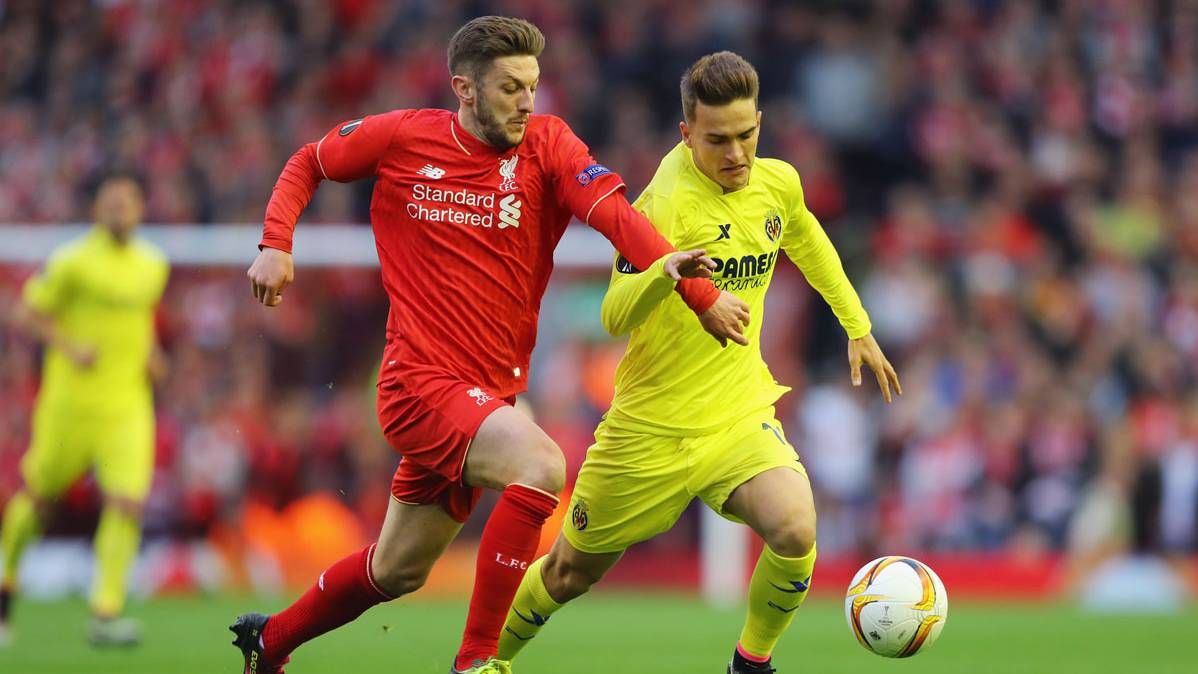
(689, 417)
(92, 305)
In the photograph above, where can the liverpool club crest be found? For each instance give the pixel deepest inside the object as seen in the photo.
(507, 171)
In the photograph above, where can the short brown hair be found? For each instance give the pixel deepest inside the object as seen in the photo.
(717, 79)
(482, 40)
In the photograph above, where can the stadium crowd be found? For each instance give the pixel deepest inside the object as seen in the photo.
(1013, 186)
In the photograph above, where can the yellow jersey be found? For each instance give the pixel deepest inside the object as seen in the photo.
(674, 378)
(101, 295)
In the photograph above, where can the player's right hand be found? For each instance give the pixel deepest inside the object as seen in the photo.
(272, 271)
(689, 264)
(725, 320)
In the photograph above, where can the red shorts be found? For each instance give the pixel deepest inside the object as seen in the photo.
(430, 417)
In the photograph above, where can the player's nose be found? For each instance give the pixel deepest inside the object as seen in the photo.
(524, 104)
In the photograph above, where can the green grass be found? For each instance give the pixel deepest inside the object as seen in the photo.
(613, 633)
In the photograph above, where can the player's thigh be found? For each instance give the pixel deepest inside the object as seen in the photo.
(779, 506)
(631, 487)
(59, 452)
(412, 539)
(465, 433)
(751, 473)
(509, 448)
(124, 454)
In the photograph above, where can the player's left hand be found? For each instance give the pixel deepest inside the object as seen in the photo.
(866, 350)
(689, 264)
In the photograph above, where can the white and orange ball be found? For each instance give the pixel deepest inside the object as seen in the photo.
(896, 606)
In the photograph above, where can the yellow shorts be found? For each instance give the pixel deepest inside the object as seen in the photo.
(634, 486)
(65, 444)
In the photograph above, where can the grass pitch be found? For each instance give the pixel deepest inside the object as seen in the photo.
(609, 633)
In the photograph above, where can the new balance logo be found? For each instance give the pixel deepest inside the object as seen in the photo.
(431, 171)
(725, 232)
(480, 396)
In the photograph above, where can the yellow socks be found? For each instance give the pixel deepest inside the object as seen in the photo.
(530, 611)
(778, 588)
(116, 543)
(20, 526)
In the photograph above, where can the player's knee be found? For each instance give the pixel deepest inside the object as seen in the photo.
(566, 581)
(796, 538)
(43, 508)
(545, 468)
(124, 505)
(398, 579)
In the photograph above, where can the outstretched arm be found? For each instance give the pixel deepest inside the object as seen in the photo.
(809, 247)
(722, 314)
(350, 151)
(632, 295)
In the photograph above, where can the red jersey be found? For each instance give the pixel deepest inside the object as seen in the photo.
(465, 231)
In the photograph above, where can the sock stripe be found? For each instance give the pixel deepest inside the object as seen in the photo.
(554, 497)
(749, 656)
(370, 574)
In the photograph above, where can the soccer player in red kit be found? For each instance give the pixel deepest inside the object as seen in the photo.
(466, 212)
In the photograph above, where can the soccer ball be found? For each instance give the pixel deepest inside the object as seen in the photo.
(896, 606)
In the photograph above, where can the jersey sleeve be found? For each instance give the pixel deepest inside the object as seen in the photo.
(47, 291)
(807, 245)
(579, 182)
(349, 151)
(632, 294)
(583, 186)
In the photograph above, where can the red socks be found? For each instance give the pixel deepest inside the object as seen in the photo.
(347, 589)
(342, 593)
(508, 543)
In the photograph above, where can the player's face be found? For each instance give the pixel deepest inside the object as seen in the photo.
(118, 207)
(723, 141)
(504, 99)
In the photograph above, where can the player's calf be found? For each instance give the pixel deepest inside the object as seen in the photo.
(551, 581)
(567, 578)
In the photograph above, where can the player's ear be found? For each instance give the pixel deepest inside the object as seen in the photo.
(463, 88)
(686, 133)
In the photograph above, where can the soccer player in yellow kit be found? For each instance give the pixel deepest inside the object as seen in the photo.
(690, 418)
(92, 305)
